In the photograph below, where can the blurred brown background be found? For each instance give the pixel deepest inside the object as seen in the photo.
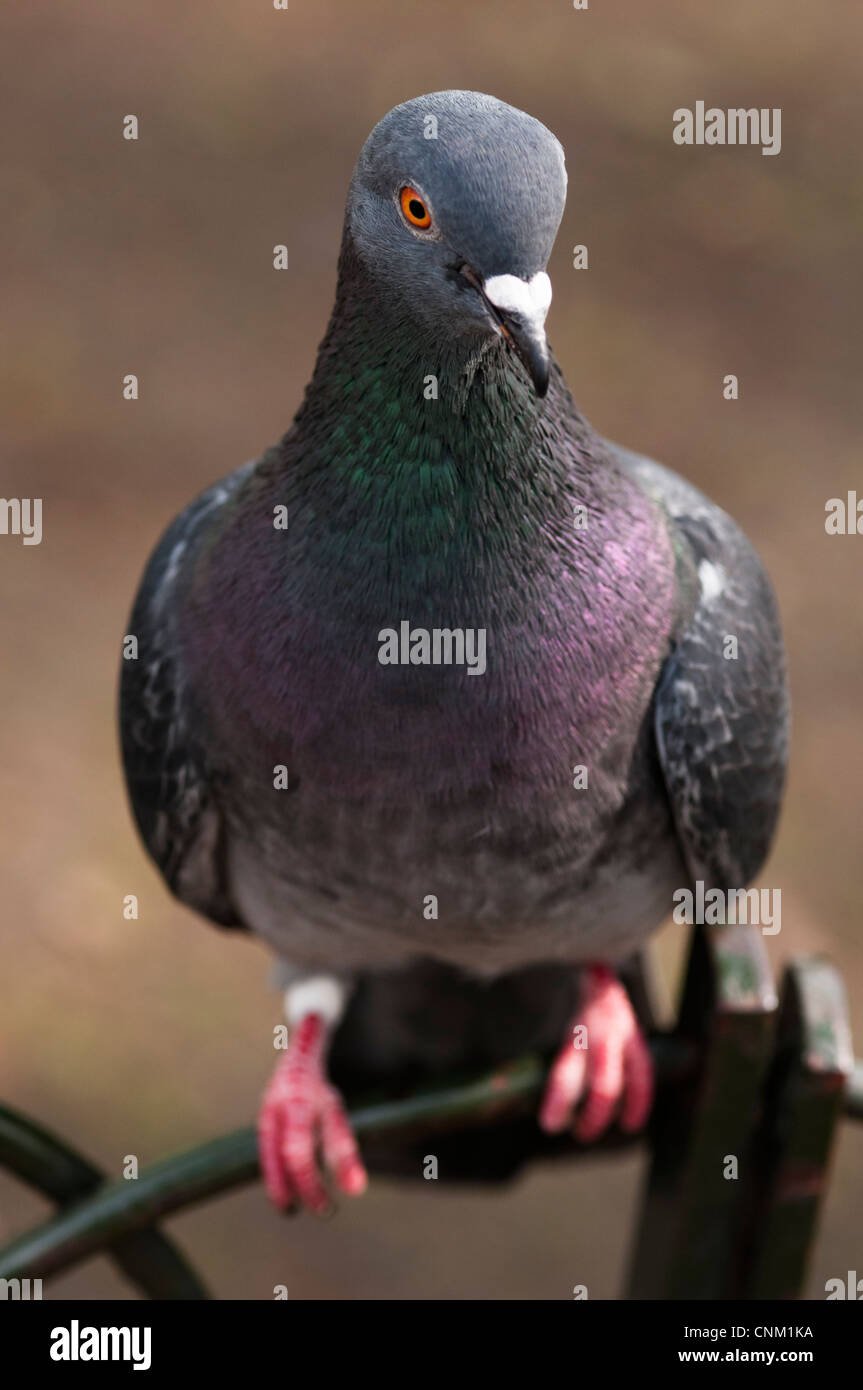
(155, 258)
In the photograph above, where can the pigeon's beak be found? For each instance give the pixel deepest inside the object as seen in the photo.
(520, 308)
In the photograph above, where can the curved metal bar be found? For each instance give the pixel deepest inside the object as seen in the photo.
(45, 1162)
(121, 1210)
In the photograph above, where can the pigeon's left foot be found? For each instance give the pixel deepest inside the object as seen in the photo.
(301, 1111)
(606, 1063)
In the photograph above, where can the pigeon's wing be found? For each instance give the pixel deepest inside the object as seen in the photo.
(722, 708)
(171, 787)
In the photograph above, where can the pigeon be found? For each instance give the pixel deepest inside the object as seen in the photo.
(437, 697)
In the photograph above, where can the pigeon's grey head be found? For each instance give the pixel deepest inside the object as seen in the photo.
(453, 208)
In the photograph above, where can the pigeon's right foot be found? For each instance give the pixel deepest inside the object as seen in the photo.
(605, 1069)
(301, 1111)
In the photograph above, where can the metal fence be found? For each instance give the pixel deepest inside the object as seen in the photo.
(751, 1089)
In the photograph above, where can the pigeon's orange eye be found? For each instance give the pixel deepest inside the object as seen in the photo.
(414, 209)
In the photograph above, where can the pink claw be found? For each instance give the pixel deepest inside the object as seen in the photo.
(613, 1073)
(301, 1109)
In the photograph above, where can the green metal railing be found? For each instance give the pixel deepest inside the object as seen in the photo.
(743, 1073)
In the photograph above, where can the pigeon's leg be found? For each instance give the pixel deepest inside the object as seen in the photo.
(302, 1113)
(606, 1064)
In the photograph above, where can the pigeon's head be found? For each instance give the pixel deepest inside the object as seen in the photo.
(453, 209)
